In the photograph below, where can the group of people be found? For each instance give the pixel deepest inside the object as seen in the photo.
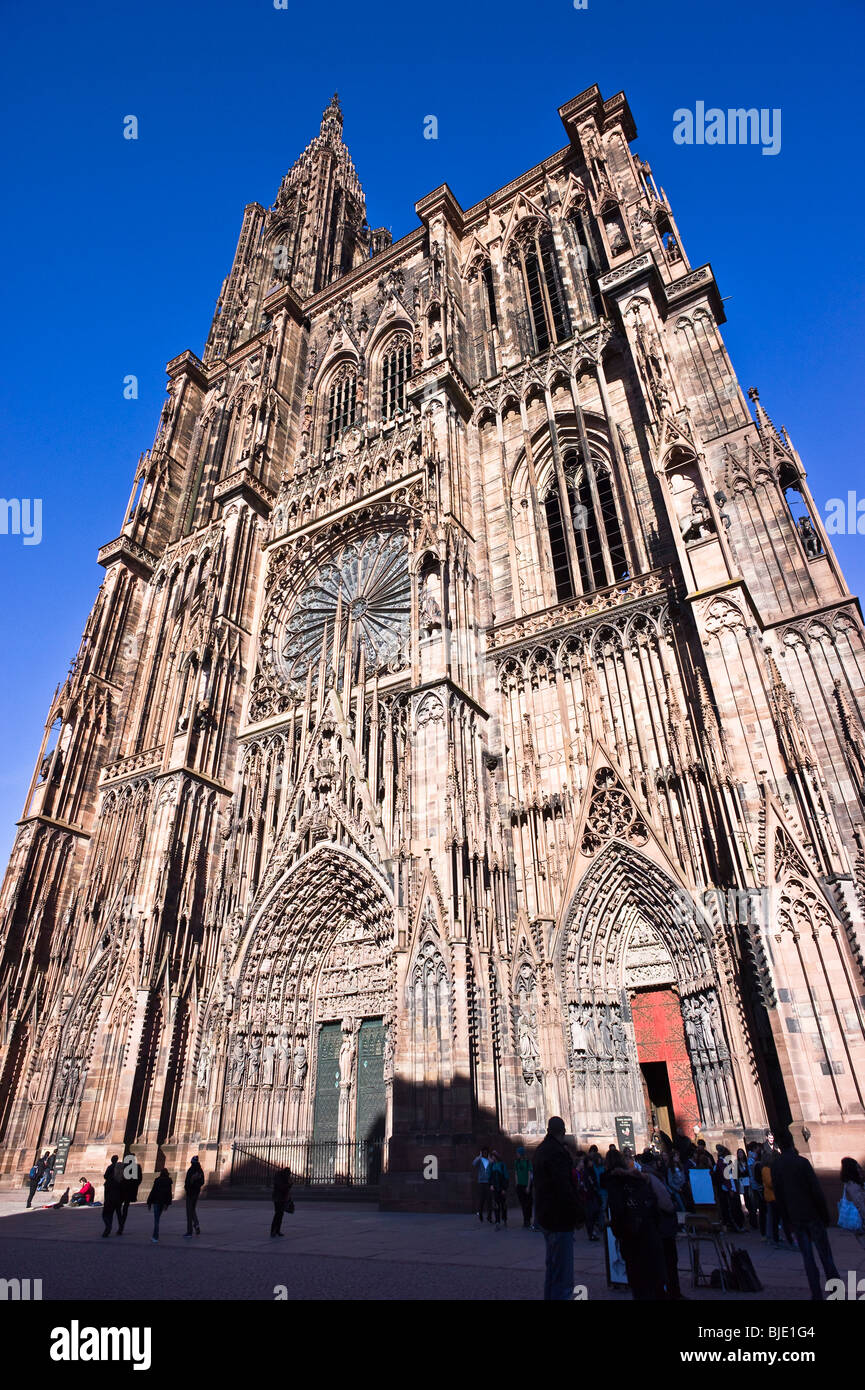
(122, 1181)
(493, 1181)
(561, 1190)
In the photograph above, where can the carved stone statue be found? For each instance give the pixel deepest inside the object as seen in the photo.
(268, 1059)
(605, 1037)
(579, 1040)
(699, 523)
(254, 1060)
(705, 1025)
(203, 1074)
(300, 1064)
(238, 1061)
(387, 1061)
(346, 1054)
(283, 1058)
(528, 1047)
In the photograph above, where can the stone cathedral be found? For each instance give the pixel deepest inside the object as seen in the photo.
(469, 725)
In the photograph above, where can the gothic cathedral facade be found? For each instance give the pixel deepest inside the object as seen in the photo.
(469, 725)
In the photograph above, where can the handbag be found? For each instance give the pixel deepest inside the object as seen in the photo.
(289, 1207)
(848, 1215)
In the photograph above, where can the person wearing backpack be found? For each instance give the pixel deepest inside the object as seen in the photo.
(192, 1187)
(159, 1201)
(635, 1221)
(37, 1172)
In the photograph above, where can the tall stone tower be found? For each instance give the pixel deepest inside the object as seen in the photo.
(468, 727)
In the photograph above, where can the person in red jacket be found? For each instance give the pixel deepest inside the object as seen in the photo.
(84, 1196)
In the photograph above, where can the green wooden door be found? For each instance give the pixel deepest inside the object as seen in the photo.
(325, 1122)
(370, 1080)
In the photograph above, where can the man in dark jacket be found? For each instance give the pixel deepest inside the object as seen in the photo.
(802, 1206)
(636, 1222)
(192, 1187)
(281, 1197)
(130, 1181)
(113, 1196)
(557, 1209)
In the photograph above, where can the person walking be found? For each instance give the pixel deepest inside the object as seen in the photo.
(159, 1201)
(523, 1180)
(112, 1198)
(635, 1219)
(557, 1209)
(802, 1203)
(47, 1180)
(192, 1186)
(483, 1163)
(130, 1181)
(37, 1173)
(590, 1194)
(281, 1199)
(499, 1179)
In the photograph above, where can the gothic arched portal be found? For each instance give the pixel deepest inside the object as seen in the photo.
(642, 1002)
(308, 1056)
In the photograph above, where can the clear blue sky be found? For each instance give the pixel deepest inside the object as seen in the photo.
(114, 250)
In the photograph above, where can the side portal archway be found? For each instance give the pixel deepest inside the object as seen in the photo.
(643, 1003)
(309, 1053)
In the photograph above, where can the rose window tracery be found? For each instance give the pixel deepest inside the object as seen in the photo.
(361, 596)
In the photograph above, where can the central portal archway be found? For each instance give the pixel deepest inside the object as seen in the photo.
(643, 1003)
(310, 1048)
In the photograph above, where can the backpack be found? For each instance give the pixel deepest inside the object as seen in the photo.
(848, 1215)
(34, 1171)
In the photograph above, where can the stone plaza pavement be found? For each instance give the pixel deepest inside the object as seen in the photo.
(331, 1250)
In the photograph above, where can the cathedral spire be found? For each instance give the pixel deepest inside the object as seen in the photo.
(322, 209)
(331, 121)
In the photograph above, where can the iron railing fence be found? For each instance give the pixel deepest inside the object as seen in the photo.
(313, 1163)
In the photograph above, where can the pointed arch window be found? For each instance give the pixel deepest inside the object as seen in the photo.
(341, 404)
(587, 549)
(395, 374)
(543, 287)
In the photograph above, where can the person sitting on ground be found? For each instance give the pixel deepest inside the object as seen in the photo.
(854, 1189)
(84, 1196)
(64, 1201)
